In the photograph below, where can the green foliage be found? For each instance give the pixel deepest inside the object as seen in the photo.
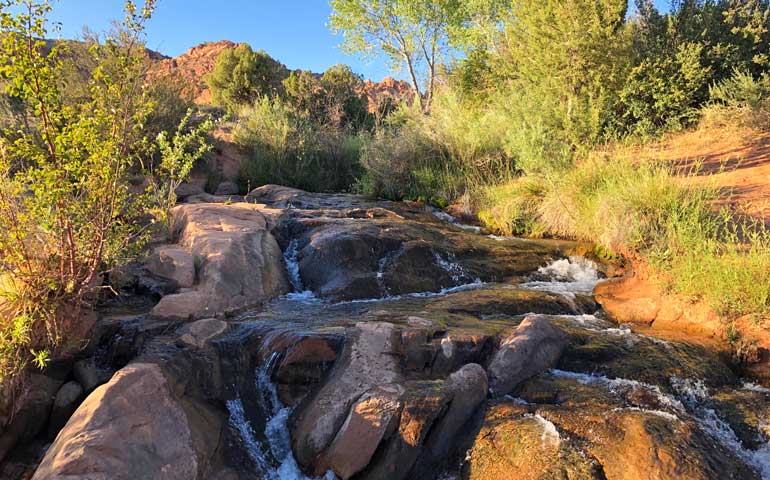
(178, 156)
(409, 33)
(66, 215)
(333, 100)
(637, 210)
(460, 145)
(286, 147)
(242, 75)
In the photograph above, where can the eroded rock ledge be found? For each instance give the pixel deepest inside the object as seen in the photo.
(409, 349)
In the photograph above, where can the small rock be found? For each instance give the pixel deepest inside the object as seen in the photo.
(419, 322)
(198, 333)
(534, 347)
(86, 375)
(64, 405)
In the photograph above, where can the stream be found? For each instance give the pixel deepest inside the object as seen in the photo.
(406, 345)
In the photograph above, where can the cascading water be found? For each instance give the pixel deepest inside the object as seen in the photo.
(692, 400)
(290, 258)
(567, 277)
(273, 456)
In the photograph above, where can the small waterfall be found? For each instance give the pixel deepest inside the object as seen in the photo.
(692, 399)
(442, 215)
(566, 277)
(273, 456)
(290, 258)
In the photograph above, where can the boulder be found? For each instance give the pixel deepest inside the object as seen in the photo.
(86, 375)
(185, 190)
(132, 427)
(372, 418)
(366, 362)
(173, 262)
(423, 403)
(227, 188)
(241, 262)
(33, 411)
(516, 445)
(64, 405)
(196, 334)
(535, 346)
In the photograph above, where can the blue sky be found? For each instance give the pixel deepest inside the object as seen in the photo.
(292, 31)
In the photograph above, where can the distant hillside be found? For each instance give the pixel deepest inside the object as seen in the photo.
(194, 64)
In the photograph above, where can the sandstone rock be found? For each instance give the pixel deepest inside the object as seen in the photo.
(516, 445)
(370, 419)
(535, 346)
(241, 263)
(64, 405)
(130, 428)
(34, 408)
(366, 362)
(173, 262)
(85, 374)
(467, 389)
(185, 190)
(196, 334)
(227, 188)
(423, 403)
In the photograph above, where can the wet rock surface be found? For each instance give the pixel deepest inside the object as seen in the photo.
(342, 337)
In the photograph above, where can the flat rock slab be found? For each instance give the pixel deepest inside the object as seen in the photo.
(241, 264)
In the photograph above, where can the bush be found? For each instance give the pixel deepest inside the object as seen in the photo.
(285, 147)
(66, 213)
(741, 101)
(242, 75)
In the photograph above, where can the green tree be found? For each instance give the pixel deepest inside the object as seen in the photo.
(410, 33)
(242, 75)
(334, 100)
(66, 213)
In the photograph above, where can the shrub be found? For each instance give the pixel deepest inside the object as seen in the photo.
(66, 215)
(741, 101)
(242, 75)
(285, 147)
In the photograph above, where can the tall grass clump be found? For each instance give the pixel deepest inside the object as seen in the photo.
(642, 211)
(284, 146)
(458, 147)
(714, 256)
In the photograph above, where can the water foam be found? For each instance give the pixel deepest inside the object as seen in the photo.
(290, 258)
(692, 399)
(442, 215)
(550, 435)
(567, 277)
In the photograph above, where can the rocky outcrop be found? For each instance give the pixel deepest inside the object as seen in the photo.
(240, 263)
(365, 364)
(132, 427)
(173, 262)
(351, 247)
(534, 347)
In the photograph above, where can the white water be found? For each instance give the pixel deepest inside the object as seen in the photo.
(280, 464)
(550, 435)
(290, 258)
(567, 277)
(692, 399)
(442, 215)
(753, 387)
